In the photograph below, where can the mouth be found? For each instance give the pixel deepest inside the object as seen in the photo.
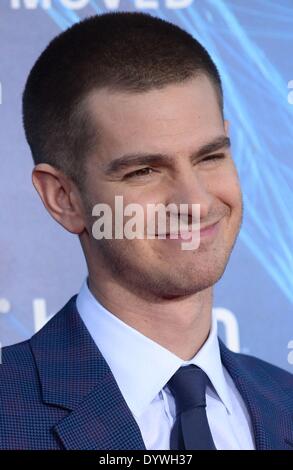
(187, 234)
(210, 229)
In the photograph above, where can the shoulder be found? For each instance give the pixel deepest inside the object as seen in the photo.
(17, 356)
(19, 370)
(26, 420)
(17, 367)
(262, 369)
(20, 392)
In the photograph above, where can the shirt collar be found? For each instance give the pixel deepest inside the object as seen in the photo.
(141, 366)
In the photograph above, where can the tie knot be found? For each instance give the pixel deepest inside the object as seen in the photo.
(188, 386)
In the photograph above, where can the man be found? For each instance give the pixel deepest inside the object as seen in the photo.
(128, 105)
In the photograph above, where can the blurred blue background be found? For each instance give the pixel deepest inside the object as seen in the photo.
(41, 265)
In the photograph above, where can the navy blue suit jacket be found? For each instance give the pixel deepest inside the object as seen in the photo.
(58, 392)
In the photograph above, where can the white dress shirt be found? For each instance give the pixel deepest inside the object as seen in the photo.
(142, 368)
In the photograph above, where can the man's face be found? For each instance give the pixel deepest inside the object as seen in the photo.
(175, 121)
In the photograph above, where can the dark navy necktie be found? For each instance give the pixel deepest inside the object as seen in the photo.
(191, 428)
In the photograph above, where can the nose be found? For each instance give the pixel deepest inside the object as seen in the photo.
(188, 187)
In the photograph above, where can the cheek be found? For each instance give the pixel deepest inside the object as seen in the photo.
(225, 186)
(230, 193)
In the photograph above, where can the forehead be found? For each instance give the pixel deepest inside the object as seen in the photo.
(177, 117)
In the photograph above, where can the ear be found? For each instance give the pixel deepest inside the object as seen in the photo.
(226, 126)
(60, 196)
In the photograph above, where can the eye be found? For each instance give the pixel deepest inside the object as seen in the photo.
(218, 156)
(138, 173)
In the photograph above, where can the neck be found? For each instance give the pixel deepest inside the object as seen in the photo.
(180, 325)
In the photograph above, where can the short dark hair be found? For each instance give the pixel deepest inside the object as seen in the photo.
(126, 51)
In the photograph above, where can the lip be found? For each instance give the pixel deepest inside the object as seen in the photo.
(210, 229)
(187, 235)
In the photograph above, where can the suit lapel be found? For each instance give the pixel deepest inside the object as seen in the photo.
(270, 408)
(101, 421)
(75, 376)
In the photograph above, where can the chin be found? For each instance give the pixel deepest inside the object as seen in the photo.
(204, 276)
(187, 285)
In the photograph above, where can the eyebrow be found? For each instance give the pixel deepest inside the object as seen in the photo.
(137, 159)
